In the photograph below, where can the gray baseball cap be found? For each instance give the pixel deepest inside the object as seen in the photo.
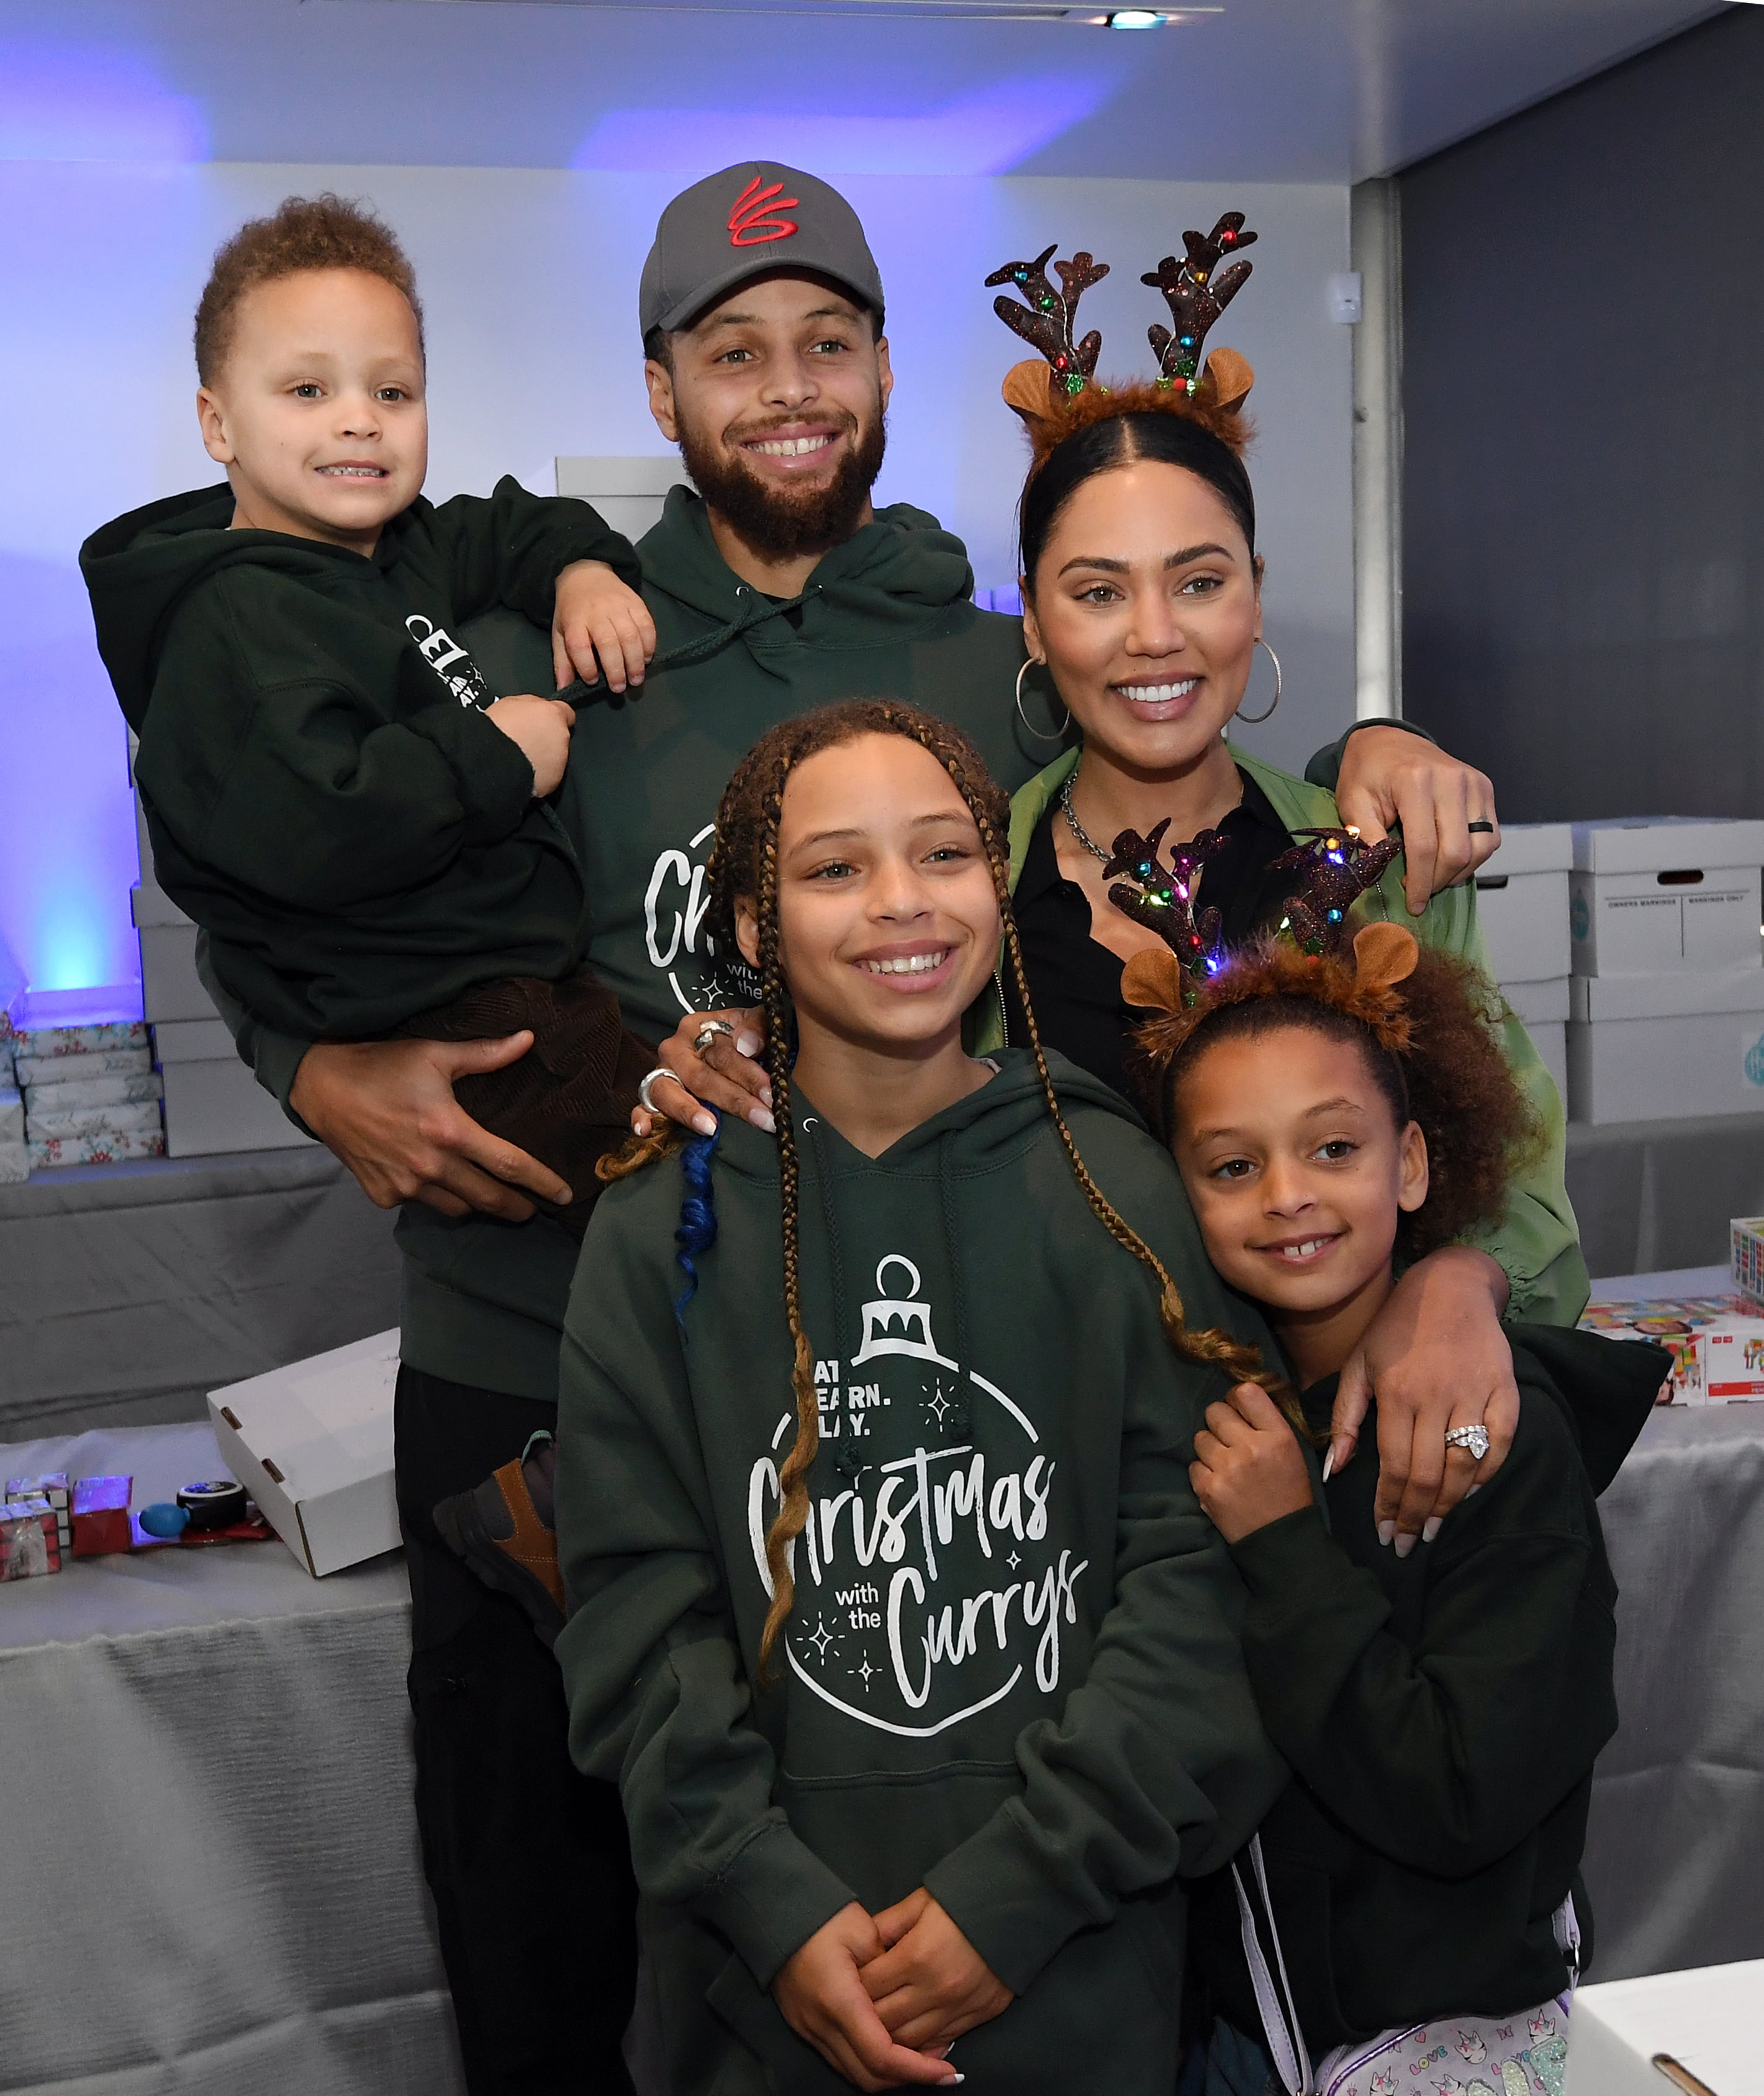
(751, 220)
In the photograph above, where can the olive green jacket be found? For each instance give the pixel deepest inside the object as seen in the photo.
(1537, 1241)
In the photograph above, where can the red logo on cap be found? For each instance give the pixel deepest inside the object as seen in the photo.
(750, 223)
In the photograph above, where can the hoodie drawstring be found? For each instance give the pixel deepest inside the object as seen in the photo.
(689, 652)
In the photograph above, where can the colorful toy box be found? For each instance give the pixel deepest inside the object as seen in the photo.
(29, 1546)
(1716, 1341)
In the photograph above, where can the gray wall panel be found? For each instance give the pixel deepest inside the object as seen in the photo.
(1583, 393)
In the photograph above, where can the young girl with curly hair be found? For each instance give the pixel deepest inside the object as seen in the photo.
(1334, 1117)
(892, 1612)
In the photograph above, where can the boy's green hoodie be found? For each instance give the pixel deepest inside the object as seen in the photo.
(1011, 1672)
(1536, 1242)
(323, 793)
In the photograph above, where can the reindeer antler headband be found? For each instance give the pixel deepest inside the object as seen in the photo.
(1064, 395)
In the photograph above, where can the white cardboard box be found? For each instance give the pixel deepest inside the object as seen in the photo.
(1669, 894)
(1707, 2020)
(1521, 902)
(312, 1444)
(170, 986)
(1665, 1047)
(216, 1105)
(149, 905)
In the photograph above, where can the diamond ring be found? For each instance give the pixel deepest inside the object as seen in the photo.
(1472, 1439)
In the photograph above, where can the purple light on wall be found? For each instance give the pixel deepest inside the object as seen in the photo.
(67, 103)
(984, 133)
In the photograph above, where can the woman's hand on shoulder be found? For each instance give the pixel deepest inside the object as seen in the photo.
(1437, 1359)
(725, 1075)
(821, 1994)
(1248, 1469)
(1388, 775)
(929, 1983)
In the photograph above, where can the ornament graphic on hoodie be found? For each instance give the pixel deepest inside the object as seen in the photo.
(930, 1579)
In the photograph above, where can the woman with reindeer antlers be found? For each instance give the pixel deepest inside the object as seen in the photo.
(1142, 600)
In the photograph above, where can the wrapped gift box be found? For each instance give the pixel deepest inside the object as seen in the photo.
(112, 1149)
(115, 1088)
(53, 1041)
(42, 1124)
(55, 1493)
(82, 1068)
(28, 1544)
(100, 1516)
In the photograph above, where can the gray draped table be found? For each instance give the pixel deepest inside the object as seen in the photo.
(128, 1291)
(206, 1807)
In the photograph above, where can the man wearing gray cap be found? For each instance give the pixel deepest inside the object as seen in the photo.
(774, 587)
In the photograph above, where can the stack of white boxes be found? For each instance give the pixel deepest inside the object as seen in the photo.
(213, 1101)
(90, 1093)
(15, 1159)
(1667, 1016)
(1522, 899)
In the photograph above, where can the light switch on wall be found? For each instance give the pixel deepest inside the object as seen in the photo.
(1344, 296)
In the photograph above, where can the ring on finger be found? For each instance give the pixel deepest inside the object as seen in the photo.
(709, 1031)
(643, 1090)
(1480, 829)
(1472, 1440)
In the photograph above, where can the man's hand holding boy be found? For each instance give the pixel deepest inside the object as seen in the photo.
(600, 628)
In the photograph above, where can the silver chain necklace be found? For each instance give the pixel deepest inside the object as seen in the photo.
(1072, 823)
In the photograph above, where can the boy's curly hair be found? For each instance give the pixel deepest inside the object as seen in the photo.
(326, 232)
(1431, 1043)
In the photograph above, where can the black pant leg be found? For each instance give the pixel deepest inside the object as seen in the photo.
(527, 1859)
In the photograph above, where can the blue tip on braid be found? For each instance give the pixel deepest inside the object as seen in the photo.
(698, 1232)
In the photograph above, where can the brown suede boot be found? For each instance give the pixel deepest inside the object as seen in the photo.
(503, 1530)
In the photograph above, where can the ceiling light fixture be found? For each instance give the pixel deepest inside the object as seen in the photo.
(946, 10)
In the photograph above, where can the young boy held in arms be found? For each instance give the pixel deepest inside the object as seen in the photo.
(332, 791)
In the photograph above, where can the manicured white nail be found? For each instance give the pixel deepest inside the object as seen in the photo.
(747, 1044)
(1429, 1528)
(704, 1124)
(763, 1120)
(1404, 1544)
(1387, 1529)
(1329, 1462)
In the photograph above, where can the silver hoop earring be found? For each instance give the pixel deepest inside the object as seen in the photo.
(1058, 735)
(1255, 720)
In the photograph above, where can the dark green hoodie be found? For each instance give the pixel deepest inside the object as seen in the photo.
(888, 613)
(323, 793)
(1442, 1713)
(1011, 1672)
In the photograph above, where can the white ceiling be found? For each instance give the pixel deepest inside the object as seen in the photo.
(1267, 90)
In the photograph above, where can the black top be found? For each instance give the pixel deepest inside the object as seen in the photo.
(1076, 981)
(1441, 1714)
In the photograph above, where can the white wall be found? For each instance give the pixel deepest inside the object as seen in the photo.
(529, 278)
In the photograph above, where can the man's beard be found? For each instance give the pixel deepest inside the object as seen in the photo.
(778, 524)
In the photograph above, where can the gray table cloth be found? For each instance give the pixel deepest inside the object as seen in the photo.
(1660, 1193)
(208, 1778)
(128, 1291)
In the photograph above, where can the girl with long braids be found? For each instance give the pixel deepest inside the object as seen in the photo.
(1336, 1114)
(892, 1609)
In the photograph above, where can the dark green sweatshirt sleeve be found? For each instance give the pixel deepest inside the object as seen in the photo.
(508, 549)
(1159, 1763)
(315, 800)
(1440, 1757)
(1325, 767)
(658, 1696)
